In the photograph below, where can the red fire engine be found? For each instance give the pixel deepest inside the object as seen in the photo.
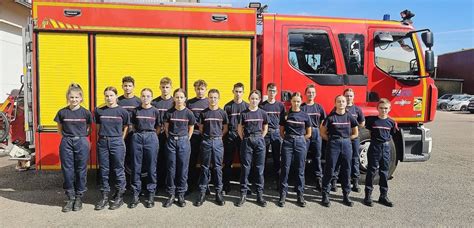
(95, 44)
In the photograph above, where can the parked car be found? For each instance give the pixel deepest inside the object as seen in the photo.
(470, 106)
(446, 98)
(459, 103)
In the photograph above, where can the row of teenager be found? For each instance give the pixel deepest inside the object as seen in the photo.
(166, 136)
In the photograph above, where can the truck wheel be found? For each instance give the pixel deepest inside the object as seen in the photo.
(364, 136)
(4, 126)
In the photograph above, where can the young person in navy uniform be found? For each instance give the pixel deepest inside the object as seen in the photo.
(252, 128)
(296, 130)
(129, 102)
(213, 125)
(112, 127)
(179, 126)
(146, 125)
(232, 140)
(74, 123)
(316, 114)
(196, 105)
(357, 113)
(275, 110)
(381, 128)
(338, 129)
(163, 103)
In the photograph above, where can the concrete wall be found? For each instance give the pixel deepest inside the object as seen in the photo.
(458, 65)
(13, 17)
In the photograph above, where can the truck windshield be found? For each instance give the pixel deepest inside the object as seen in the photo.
(397, 57)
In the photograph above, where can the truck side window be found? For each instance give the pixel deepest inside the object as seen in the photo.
(353, 50)
(397, 57)
(311, 53)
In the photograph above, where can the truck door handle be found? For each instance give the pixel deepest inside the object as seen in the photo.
(219, 17)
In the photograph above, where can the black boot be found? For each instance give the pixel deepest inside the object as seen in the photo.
(135, 202)
(334, 185)
(169, 201)
(281, 201)
(69, 204)
(260, 200)
(77, 204)
(318, 184)
(355, 185)
(200, 199)
(118, 202)
(220, 199)
(103, 202)
(383, 199)
(300, 201)
(325, 199)
(181, 201)
(346, 200)
(150, 202)
(368, 198)
(242, 199)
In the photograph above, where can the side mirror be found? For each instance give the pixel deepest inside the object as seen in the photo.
(384, 37)
(429, 61)
(428, 39)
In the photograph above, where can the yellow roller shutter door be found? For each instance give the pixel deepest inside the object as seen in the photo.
(63, 59)
(221, 62)
(146, 58)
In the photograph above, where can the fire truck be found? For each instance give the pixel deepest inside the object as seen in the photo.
(95, 44)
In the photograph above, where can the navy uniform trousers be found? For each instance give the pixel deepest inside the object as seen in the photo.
(144, 158)
(74, 154)
(294, 148)
(314, 146)
(273, 141)
(378, 156)
(355, 162)
(212, 152)
(338, 149)
(111, 152)
(178, 151)
(232, 145)
(252, 152)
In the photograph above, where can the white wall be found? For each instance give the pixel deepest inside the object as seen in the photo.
(12, 17)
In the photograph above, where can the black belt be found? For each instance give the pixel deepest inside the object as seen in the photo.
(338, 137)
(107, 137)
(143, 131)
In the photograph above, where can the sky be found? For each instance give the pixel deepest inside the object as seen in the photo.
(452, 22)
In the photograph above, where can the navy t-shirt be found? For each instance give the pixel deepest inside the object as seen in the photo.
(197, 105)
(356, 112)
(253, 121)
(179, 121)
(315, 112)
(381, 130)
(296, 123)
(274, 111)
(146, 119)
(233, 111)
(162, 105)
(129, 104)
(340, 125)
(111, 120)
(74, 122)
(213, 121)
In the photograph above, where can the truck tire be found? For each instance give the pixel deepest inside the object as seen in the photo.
(364, 136)
(4, 126)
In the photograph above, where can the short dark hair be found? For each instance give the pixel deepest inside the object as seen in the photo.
(271, 85)
(309, 87)
(200, 83)
(128, 79)
(238, 85)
